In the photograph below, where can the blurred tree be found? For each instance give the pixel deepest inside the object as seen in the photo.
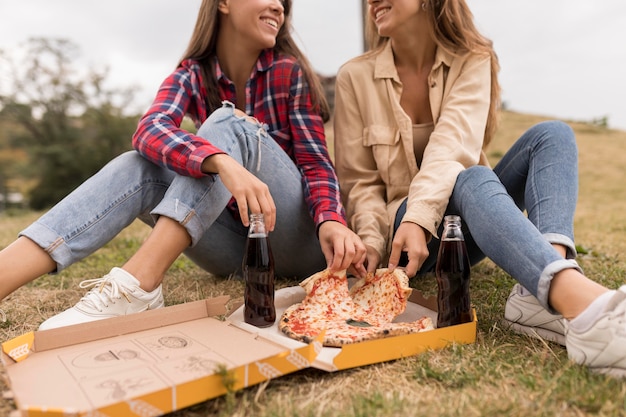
(71, 124)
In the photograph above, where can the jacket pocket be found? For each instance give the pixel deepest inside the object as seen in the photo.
(388, 153)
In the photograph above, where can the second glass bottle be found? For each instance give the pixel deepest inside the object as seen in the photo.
(453, 276)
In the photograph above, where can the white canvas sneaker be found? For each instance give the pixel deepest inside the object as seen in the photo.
(115, 294)
(602, 346)
(525, 315)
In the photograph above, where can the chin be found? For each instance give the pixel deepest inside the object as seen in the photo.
(269, 45)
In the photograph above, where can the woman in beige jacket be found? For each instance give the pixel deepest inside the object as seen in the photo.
(412, 118)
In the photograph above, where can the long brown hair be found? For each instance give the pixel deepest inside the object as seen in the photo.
(453, 29)
(203, 43)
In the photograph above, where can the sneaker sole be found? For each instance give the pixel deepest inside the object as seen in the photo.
(612, 372)
(536, 332)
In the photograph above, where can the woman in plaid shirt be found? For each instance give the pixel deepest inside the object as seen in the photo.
(259, 148)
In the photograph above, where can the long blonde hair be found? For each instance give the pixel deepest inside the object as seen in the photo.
(452, 27)
(203, 43)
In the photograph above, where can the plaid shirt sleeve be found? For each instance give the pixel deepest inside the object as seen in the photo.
(311, 155)
(159, 137)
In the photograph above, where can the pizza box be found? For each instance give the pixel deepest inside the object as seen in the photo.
(333, 359)
(145, 364)
(159, 361)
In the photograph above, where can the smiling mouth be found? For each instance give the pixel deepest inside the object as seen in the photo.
(271, 23)
(381, 13)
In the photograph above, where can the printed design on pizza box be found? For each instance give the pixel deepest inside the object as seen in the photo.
(132, 368)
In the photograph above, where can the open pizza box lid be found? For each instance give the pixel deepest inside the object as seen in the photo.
(365, 353)
(149, 363)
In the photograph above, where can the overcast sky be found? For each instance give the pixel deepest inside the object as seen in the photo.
(560, 58)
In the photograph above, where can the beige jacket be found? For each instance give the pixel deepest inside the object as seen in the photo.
(374, 153)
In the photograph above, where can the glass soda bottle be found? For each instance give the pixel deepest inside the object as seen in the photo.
(453, 276)
(258, 275)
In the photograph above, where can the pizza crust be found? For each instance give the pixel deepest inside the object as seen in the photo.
(350, 315)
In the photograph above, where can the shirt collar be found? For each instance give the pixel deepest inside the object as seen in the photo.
(386, 68)
(265, 61)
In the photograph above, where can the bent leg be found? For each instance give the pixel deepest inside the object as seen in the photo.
(504, 234)
(513, 242)
(218, 237)
(85, 220)
(94, 213)
(540, 173)
(89, 217)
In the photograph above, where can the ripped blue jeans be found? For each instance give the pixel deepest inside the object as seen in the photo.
(131, 187)
(538, 174)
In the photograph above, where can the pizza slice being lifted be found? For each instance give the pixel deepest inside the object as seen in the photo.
(348, 315)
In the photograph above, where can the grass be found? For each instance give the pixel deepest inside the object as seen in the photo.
(501, 374)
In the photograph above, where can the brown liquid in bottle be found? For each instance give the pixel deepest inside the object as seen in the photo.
(258, 274)
(453, 278)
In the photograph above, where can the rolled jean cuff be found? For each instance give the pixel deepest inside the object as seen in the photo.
(559, 239)
(50, 241)
(545, 280)
(184, 215)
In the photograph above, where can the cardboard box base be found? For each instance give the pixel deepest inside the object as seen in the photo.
(159, 361)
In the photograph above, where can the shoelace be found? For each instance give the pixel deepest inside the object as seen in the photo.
(103, 290)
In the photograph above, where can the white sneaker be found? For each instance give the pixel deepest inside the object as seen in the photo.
(115, 294)
(525, 315)
(602, 347)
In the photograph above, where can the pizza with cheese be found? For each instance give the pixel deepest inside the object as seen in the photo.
(362, 312)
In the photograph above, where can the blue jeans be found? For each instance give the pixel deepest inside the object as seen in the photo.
(131, 187)
(539, 174)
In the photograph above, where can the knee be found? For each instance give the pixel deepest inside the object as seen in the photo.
(476, 181)
(131, 166)
(129, 159)
(557, 132)
(553, 127)
(226, 111)
(219, 116)
(473, 177)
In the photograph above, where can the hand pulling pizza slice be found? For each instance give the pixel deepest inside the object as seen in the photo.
(364, 312)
